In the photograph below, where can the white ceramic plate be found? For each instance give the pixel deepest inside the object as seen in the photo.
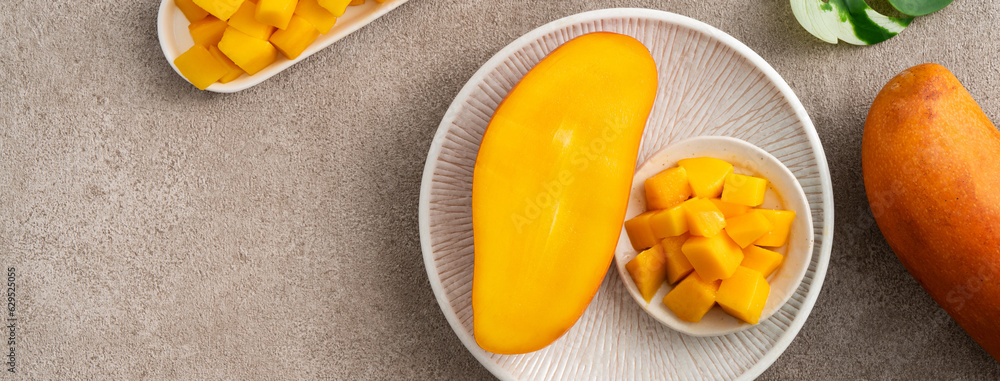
(710, 84)
(172, 28)
(783, 192)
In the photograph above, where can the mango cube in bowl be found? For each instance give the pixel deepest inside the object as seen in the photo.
(223, 9)
(760, 259)
(707, 175)
(713, 257)
(640, 232)
(744, 190)
(671, 222)
(648, 271)
(743, 295)
(276, 13)
(747, 228)
(703, 218)
(667, 188)
(678, 265)
(782, 226)
(692, 298)
(311, 11)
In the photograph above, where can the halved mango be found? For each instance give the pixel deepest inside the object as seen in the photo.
(648, 271)
(667, 188)
(706, 175)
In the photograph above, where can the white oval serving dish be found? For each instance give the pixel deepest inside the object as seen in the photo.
(709, 84)
(172, 30)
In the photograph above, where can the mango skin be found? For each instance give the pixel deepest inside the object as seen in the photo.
(929, 158)
(550, 188)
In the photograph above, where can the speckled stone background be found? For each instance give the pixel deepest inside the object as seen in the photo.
(159, 232)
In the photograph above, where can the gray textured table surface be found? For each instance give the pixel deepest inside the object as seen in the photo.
(162, 232)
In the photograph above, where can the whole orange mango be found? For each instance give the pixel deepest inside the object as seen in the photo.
(550, 188)
(931, 162)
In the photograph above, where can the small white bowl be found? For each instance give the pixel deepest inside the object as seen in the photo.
(172, 30)
(784, 192)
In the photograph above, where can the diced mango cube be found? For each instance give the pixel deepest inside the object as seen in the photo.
(706, 175)
(703, 218)
(692, 298)
(311, 11)
(713, 257)
(744, 190)
(293, 40)
(200, 67)
(249, 53)
(223, 9)
(233, 70)
(357, 2)
(648, 271)
(336, 7)
(678, 265)
(744, 294)
(782, 221)
(746, 229)
(639, 232)
(191, 11)
(207, 31)
(669, 223)
(244, 20)
(276, 13)
(729, 210)
(757, 258)
(667, 188)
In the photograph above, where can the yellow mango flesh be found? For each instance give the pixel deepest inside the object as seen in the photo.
(292, 41)
(249, 53)
(191, 11)
(763, 260)
(692, 298)
(678, 265)
(550, 188)
(232, 71)
(707, 175)
(713, 257)
(640, 234)
(223, 9)
(730, 210)
(200, 67)
(703, 218)
(276, 13)
(744, 294)
(667, 188)
(336, 7)
(244, 20)
(648, 271)
(747, 228)
(669, 223)
(207, 31)
(744, 190)
(782, 225)
(311, 11)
